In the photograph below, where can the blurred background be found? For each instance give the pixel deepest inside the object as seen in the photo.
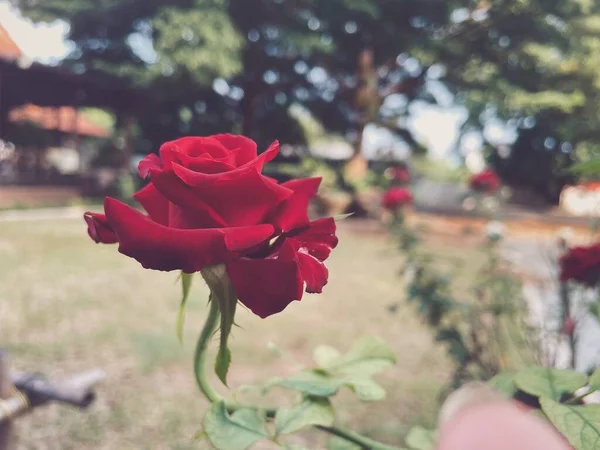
(89, 88)
(354, 90)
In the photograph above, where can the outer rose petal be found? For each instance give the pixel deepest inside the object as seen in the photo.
(155, 204)
(314, 272)
(99, 229)
(152, 161)
(162, 248)
(267, 286)
(293, 213)
(319, 239)
(244, 199)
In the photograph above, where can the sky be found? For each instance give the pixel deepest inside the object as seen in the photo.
(435, 126)
(42, 42)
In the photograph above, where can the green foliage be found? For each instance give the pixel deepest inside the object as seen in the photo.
(237, 431)
(595, 380)
(353, 369)
(483, 333)
(337, 443)
(312, 411)
(420, 438)
(186, 284)
(579, 424)
(549, 383)
(505, 383)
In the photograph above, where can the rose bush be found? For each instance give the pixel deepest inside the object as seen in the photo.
(581, 265)
(207, 203)
(396, 197)
(486, 181)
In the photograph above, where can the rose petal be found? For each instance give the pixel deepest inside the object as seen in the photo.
(155, 204)
(99, 229)
(192, 146)
(293, 213)
(187, 210)
(244, 198)
(319, 239)
(244, 149)
(267, 286)
(268, 155)
(313, 271)
(207, 164)
(152, 161)
(158, 247)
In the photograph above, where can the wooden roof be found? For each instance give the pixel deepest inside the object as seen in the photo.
(9, 50)
(64, 119)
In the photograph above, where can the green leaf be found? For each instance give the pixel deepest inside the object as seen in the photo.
(312, 383)
(337, 443)
(312, 411)
(325, 356)
(367, 357)
(420, 438)
(595, 380)
(342, 216)
(551, 383)
(579, 424)
(223, 293)
(588, 167)
(366, 389)
(505, 383)
(238, 431)
(186, 284)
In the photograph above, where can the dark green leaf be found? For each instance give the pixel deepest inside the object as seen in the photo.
(236, 432)
(186, 284)
(551, 383)
(505, 383)
(579, 424)
(312, 411)
(420, 438)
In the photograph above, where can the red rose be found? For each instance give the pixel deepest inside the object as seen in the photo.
(582, 265)
(396, 197)
(401, 175)
(568, 327)
(486, 181)
(207, 203)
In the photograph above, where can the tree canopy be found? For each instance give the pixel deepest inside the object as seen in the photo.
(238, 65)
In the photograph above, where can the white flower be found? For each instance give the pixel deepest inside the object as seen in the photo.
(495, 229)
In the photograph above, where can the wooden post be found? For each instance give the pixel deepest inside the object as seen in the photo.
(6, 430)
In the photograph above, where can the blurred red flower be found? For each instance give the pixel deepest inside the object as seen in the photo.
(396, 197)
(207, 203)
(486, 181)
(582, 265)
(401, 175)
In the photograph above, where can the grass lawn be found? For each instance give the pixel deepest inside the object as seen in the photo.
(67, 305)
